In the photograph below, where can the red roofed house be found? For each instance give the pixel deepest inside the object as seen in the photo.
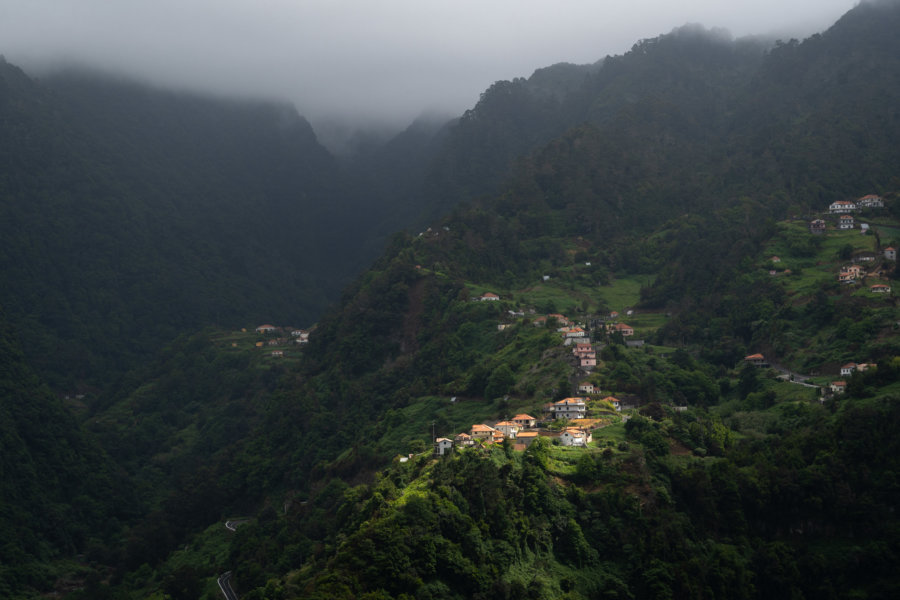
(265, 329)
(848, 368)
(507, 428)
(890, 253)
(756, 360)
(850, 273)
(560, 319)
(624, 329)
(575, 332)
(569, 408)
(574, 436)
(525, 421)
(870, 201)
(616, 403)
(880, 288)
(838, 387)
(817, 226)
(845, 222)
(489, 297)
(841, 207)
(586, 387)
(482, 432)
(582, 349)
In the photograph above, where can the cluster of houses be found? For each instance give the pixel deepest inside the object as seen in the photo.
(839, 387)
(297, 336)
(848, 206)
(523, 429)
(844, 210)
(850, 274)
(835, 387)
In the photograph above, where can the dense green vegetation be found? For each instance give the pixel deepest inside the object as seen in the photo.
(661, 182)
(59, 491)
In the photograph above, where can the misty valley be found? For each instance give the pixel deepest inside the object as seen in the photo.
(620, 330)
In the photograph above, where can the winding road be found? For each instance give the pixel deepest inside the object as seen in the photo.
(224, 582)
(224, 579)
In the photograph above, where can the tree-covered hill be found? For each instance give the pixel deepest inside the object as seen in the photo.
(657, 189)
(130, 215)
(60, 493)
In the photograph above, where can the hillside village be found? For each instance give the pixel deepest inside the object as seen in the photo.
(865, 263)
(570, 421)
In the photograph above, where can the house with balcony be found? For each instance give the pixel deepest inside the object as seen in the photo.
(569, 408)
(842, 207)
(508, 429)
(870, 201)
(845, 222)
(575, 436)
(524, 421)
(817, 226)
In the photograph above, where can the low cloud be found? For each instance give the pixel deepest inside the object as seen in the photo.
(360, 60)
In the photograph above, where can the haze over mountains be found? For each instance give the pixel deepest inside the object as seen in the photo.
(363, 64)
(143, 228)
(260, 222)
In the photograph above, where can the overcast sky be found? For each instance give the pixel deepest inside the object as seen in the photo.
(386, 59)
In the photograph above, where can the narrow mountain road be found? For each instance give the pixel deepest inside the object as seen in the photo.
(792, 377)
(224, 579)
(224, 582)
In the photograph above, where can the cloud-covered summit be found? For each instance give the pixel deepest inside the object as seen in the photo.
(357, 59)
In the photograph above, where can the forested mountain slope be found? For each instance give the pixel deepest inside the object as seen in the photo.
(130, 215)
(59, 491)
(726, 481)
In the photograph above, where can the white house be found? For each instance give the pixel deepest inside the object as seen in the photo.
(524, 421)
(845, 222)
(574, 436)
(586, 387)
(848, 369)
(616, 403)
(870, 201)
(890, 253)
(569, 408)
(265, 329)
(442, 446)
(842, 206)
(508, 429)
